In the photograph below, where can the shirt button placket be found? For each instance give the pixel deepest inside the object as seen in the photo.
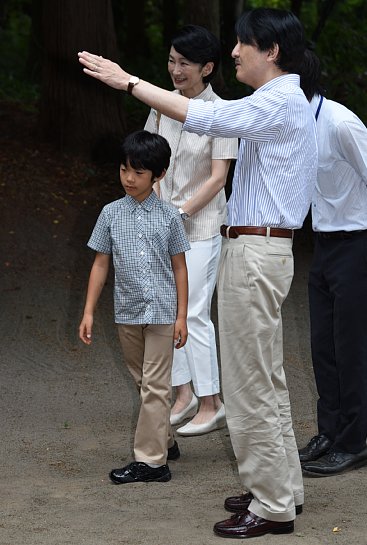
(144, 276)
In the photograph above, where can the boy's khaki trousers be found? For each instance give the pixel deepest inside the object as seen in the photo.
(148, 354)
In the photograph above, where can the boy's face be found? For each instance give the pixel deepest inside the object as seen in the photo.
(136, 183)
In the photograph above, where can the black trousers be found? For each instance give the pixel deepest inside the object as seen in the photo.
(338, 312)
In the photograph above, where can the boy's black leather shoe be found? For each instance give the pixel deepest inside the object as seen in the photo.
(173, 452)
(140, 472)
(317, 447)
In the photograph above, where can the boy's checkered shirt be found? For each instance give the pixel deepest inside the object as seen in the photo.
(141, 237)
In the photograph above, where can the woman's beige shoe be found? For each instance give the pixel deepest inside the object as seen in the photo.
(189, 412)
(216, 423)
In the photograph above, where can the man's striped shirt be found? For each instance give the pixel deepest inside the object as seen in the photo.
(276, 168)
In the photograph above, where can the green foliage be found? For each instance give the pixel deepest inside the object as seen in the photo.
(342, 48)
(14, 45)
(279, 4)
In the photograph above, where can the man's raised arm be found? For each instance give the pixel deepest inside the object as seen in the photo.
(170, 104)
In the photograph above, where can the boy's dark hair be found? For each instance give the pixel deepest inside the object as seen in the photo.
(264, 27)
(198, 45)
(310, 72)
(147, 151)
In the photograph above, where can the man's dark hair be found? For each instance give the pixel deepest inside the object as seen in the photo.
(310, 73)
(198, 45)
(265, 27)
(147, 151)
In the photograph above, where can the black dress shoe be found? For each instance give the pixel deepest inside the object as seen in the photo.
(140, 472)
(317, 447)
(334, 463)
(173, 452)
(249, 525)
(239, 504)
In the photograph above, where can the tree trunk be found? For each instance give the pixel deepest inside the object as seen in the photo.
(76, 111)
(326, 9)
(206, 13)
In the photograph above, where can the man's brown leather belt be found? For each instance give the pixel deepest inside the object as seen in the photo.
(234, 231)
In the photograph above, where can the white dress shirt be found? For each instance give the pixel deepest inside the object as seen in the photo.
(339, 202)
(275, 172)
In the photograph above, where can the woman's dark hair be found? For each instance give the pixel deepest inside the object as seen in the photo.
(310, 73)
(264, 27)
(199, 45)
(147, 151)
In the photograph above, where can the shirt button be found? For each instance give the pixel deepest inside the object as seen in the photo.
(139, 217)
(141, 253)
(140, 235)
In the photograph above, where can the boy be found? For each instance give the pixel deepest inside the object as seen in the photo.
(147, 241)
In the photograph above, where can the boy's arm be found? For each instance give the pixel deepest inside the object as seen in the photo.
(97, 280)
(180, 272)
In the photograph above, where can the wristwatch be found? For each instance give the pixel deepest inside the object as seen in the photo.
(184, 215)
(132, 82)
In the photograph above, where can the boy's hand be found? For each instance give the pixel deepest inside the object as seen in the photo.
(180, 334)
(85, 329)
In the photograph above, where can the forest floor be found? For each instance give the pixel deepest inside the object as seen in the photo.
(68, 411)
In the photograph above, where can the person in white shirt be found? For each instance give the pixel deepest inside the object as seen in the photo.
(194, 183)
(338, 286)
(272, 186)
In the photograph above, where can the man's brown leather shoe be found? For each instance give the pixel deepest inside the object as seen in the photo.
(317, 447)
(249, 525)
(239, 504)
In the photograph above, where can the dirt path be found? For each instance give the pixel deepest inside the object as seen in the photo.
(68, 412)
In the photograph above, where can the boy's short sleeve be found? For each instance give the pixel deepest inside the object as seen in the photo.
(178, 241)
(100, 240)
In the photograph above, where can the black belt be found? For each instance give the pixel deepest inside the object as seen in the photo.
(234, 231)
(340, 234)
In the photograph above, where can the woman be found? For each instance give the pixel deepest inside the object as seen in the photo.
(194, 183)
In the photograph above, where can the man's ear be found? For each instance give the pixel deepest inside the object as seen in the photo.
(273, 53)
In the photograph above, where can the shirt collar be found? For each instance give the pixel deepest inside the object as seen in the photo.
(315, 103)
(279, 81)
(147, 204)
(206, 94)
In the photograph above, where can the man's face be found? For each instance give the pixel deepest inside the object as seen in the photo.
(251, 64)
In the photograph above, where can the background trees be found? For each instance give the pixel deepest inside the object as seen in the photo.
(39, 40)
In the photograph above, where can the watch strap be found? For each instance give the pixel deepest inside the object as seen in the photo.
(133, 81)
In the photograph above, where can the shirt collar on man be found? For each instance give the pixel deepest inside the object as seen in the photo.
(284, 79)
(315, 103)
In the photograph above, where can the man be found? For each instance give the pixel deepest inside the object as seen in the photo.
(338, 286)
(272, 187)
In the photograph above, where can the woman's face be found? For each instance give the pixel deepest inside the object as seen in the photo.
(187, 76)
